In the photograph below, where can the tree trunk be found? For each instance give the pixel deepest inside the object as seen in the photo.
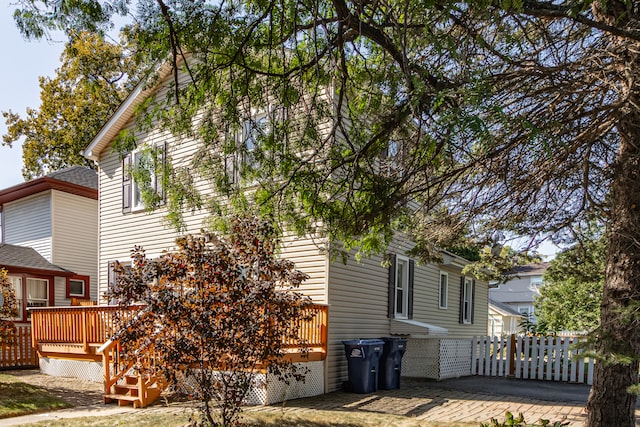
(610, 404)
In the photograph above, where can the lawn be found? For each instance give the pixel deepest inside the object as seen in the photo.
(18, 398)
(311, 418)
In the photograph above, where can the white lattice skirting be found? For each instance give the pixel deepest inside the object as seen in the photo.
(81, 369)
(437, 358)
(267, 389)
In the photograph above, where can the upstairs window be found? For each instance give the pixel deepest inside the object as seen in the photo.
(143, 170)
(249, 142)
(254, 130)
(391, 159)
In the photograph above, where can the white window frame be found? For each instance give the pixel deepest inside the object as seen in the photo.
(136, 193)
(467, 300)
(84, 289)
(401, 288)
(527, 311)
(443, 291)
(252, 129)
(31, 299)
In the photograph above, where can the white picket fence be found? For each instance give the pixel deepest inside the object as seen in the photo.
(541, 358)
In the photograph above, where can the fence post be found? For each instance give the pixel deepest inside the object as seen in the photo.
(512, 356)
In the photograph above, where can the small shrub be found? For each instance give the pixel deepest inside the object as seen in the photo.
(511, 421)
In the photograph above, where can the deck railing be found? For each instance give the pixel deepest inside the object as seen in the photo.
(88, 325)
(84, 325)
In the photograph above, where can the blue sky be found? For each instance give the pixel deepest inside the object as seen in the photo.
(24, 63)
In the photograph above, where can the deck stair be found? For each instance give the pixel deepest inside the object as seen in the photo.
(136, 390)
(123, 384)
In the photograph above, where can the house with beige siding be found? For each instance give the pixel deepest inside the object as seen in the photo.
(48, 238)
(434, 306)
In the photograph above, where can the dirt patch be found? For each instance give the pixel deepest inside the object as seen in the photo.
(72, 390)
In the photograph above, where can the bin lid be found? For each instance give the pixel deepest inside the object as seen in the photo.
(364, 341)
(385, 339)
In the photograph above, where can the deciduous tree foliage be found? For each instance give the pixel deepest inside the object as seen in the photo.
(571, 296)
(9, 308)
(451, 116)
(94, 78)
(215, 312)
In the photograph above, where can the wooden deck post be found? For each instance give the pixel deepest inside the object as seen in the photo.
(85, 341)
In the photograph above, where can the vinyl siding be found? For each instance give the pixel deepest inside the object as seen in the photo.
(357, 309)
(27, 222)
(119, 232)
(60, 291)
(358, 299)
(517, 290)
(357, 293)
(75, 236)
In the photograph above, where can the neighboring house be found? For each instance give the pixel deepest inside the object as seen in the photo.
(425, 303)
(503, 320)
(517, 296)
(36, 281)
(49, 237)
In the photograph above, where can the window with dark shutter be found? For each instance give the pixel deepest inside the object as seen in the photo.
(126, 184)
(467, 299)
(154, 160)
(401, 278)
(392, 286)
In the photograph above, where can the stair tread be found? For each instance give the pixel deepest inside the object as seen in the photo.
(122, 397)
(128, 386)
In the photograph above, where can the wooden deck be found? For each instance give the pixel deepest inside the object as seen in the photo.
(77, 332)
(84, 332)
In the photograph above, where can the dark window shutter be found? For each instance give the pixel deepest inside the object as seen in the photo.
(473, 299)
(161, 170)
(412, 266)
(392, 286)
(126, 184)
(461, 314)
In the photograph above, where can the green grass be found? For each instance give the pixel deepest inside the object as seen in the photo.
(18, 398)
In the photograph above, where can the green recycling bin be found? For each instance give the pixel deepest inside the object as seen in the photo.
(363, 357)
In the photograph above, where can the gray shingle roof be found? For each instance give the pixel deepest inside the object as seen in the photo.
(79, 175)
(25, 257)
(530, 269)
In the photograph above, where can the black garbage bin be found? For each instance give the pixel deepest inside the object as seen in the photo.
(363, 358)
(391, 362)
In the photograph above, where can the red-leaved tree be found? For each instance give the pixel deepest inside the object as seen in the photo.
(215, 313)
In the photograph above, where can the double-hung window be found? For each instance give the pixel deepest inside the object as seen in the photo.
(402, 287)
(467, 297)
(253, 131)
(401, 276)
(37, 292)
(443, 294)
(143, 175)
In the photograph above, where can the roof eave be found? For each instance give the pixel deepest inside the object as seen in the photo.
(124, 113)
(43, 184)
